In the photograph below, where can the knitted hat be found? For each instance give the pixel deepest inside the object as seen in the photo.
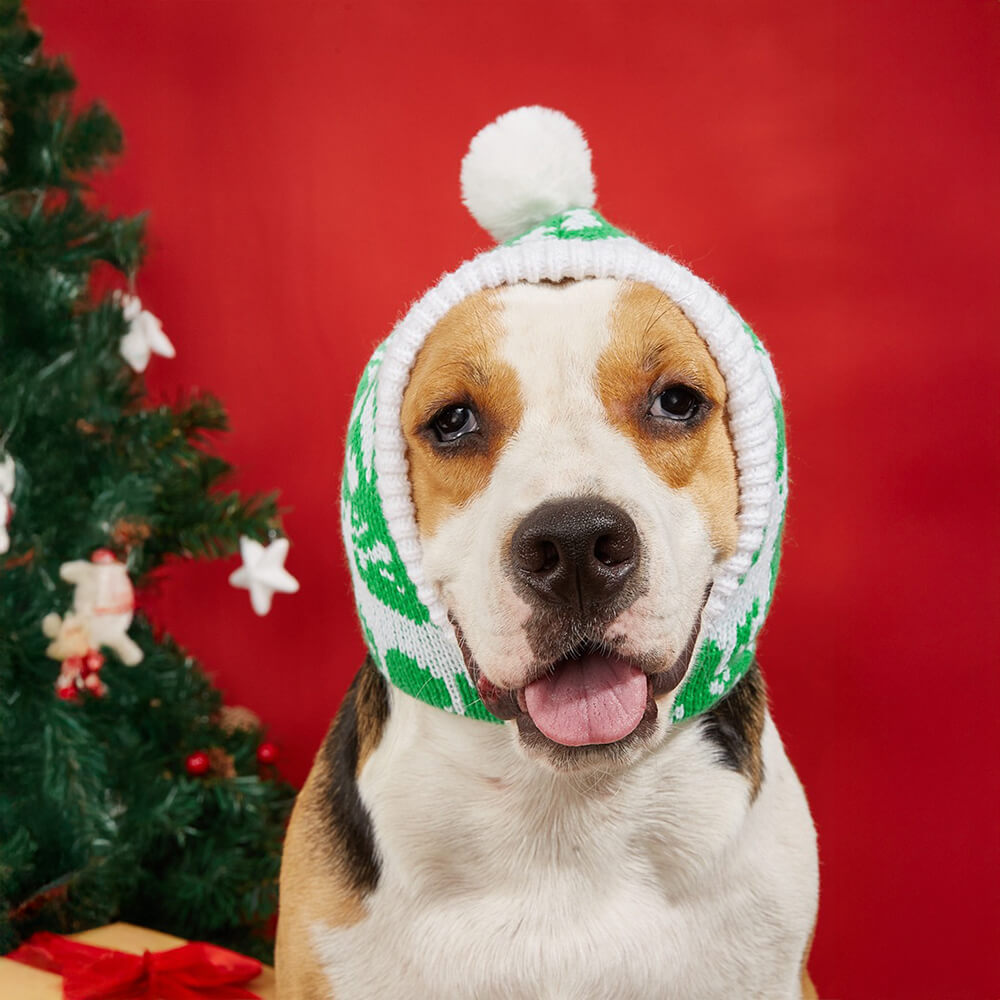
(527, 180)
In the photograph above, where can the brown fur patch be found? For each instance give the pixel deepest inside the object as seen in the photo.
(314, 887)
(654, 344)
(371, 709)
(458, 364)
(330, 856)
(809, 991)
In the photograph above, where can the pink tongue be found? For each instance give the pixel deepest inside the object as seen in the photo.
(594, 700)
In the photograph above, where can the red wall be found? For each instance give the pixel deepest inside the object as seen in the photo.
(832, 166)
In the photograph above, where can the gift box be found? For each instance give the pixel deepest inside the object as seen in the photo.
(180, 972)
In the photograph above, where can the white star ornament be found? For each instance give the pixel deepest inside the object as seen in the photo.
(263, 572)
(145, 335)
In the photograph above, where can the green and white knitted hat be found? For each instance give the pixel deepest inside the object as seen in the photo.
(527, 180)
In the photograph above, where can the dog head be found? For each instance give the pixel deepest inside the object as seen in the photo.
(565, 478)
(574, 488)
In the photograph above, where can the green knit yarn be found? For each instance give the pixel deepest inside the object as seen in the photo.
(576, 224)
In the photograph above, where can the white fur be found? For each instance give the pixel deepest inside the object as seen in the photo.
(502, 879)
(528, 165)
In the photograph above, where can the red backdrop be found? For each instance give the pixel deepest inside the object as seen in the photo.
(833, 167)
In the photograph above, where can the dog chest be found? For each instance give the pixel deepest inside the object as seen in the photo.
(502, 880)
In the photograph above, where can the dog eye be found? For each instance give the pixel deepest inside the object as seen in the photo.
(677, 402)
(454, 422)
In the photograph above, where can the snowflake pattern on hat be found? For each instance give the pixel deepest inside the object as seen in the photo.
(576, 224)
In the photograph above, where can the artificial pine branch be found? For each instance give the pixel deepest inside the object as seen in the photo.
(99, 819)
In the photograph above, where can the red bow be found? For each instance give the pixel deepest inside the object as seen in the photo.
(191, 972)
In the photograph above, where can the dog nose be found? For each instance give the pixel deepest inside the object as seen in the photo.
(577, 552)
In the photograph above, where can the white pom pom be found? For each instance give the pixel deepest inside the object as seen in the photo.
(528, 165)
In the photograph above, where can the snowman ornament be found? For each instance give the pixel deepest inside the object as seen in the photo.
(103, 604)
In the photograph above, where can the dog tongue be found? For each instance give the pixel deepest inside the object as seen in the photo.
(596, 699)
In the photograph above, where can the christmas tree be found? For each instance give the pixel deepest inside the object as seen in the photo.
(127, 791)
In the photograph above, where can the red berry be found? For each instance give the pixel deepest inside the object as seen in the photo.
(267, 753)
(197, 762)
(72, 664)
(94, 660)
(67, 693)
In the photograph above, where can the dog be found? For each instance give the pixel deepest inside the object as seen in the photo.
(575, 492)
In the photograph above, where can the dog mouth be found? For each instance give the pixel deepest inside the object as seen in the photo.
(588, 697)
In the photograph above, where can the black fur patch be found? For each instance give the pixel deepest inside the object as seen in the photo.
(735, 726)
(350, 826)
